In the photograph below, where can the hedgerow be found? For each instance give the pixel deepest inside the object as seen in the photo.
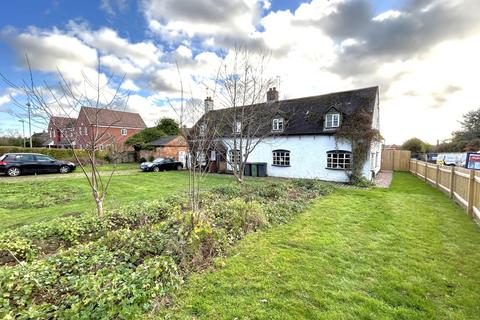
(122, 265)
(59, 154)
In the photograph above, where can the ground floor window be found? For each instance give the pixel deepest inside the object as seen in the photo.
(339, 159)
(234, 156)
(281, 158)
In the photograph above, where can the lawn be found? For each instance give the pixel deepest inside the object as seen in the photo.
(407, 252)
(38, 198)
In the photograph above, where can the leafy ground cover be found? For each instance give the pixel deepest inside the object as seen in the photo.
(133, 259)
(402, 253)
(40, 198)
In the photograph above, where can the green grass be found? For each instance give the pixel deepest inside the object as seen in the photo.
(402, 253)
(39, 198)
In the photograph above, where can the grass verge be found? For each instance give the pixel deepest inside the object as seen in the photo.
(406, 252)
(26, 201)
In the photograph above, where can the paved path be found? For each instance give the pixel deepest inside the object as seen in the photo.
(383, 179)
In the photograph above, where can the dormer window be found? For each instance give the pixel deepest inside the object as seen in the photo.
(332, 120)
(203, 129)
(277, 124)
(238, 127)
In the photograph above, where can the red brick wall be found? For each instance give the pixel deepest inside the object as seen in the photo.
(170, 150)
(110, 135)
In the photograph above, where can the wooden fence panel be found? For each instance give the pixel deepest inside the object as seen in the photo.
(461, 185)
(396, 160)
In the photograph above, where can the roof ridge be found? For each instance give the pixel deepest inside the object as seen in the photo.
(113, 110)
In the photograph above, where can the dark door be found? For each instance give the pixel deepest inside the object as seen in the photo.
(46, 164)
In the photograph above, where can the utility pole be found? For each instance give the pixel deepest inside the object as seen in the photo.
(29, 124)
(23, 130)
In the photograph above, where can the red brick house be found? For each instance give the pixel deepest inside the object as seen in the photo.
(174, 147)
(60, 132)
(110, 127)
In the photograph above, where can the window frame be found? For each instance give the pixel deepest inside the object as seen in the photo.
(337, 160)
(334, 116)
(122, 130)
(238, 127)
(277, 123)
(203, 129)
(231, 156)
(281, 158)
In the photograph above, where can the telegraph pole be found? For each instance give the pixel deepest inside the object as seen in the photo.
(23, 130)
(29, 124)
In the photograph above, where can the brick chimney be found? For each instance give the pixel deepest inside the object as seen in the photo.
(272, 94)
(208, 104)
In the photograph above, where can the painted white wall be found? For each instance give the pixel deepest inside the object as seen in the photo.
(308, 157)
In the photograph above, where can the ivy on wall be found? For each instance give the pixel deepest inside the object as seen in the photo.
(357, 130)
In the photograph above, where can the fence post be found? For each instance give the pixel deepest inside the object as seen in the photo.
(426, 171)
(416, 167)
(471, 192)
(452, 181)
(437, 173)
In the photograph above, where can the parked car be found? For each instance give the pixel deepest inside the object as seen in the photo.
(161, 164)
(15, 164)
(452, 159)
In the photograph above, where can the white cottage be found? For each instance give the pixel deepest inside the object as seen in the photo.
(301, 141)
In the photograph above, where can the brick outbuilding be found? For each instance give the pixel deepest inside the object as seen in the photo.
(174, 147)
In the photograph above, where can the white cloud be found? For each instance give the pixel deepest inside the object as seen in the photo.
(390, 14)
(107, 41)
(4, 99)
(130, 85)
(150, 108)
(185, 18)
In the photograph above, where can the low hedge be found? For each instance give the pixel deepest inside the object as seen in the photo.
(60, 154)
(140, 254)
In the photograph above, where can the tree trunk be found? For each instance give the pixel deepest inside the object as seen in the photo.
(99, 207)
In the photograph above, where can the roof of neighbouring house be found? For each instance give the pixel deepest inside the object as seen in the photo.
(303, 115)
(163, 141)
(113, 118)
(62, 122)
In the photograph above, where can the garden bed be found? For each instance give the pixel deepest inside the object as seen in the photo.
(136, 256)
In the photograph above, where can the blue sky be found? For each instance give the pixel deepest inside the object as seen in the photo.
(317, 46)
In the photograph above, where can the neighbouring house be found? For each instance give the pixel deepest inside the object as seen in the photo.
(174, 147)
(40, 139)
(302, 143)
(111, 127)
(60, 132)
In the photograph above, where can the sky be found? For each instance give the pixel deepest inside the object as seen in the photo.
(423, 54)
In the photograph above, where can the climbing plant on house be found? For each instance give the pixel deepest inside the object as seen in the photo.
(357, 130)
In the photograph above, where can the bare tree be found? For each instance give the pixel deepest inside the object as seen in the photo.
(199, 139)
(66, 99)
(242, 123)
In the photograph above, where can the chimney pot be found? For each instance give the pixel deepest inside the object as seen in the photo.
(272, 94)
